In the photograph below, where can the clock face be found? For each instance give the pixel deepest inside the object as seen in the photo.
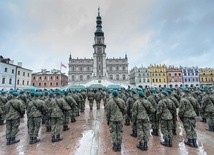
(99, 50)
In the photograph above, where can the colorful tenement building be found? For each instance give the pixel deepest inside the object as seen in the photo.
(206, 76)
(158, 75)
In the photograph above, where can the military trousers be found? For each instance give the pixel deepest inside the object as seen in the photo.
(166, 129)
(98, 103)
(34, 126)
(12, 127)
(143, 130)
(66, 117)
(210, 119)
(189, 127)
(56, 124)
(154, 121)
(116, 130)
(91, 102)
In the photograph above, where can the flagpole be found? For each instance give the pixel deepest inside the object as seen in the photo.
(61, 67)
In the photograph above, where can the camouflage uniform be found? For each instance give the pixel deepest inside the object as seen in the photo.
(153, 119)
(165, 117)
(98, 97)
(36, 108)
(47, 116)
(208, 107)
(115, 111)
(187, 115)
(77, 99)
(172, 107)
(91, 99)
(14, 109)
(3, 101)
(84, 95)
(129, 104)
(73, 104)
(81, 103)
(140, 114)
(58, 106)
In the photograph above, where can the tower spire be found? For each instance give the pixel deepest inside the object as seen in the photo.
(99, 31)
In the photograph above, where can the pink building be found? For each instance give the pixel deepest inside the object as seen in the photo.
(49, 79)
(174, 77)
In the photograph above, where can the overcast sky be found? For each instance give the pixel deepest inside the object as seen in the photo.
(42, 33)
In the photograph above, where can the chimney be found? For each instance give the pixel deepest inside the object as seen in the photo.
(19, 64)
(11, 62)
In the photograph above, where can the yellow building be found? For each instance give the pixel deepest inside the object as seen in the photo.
(158, 75)
(206, 76)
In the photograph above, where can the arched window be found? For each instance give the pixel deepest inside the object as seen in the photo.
(117, 68)
(88, 77)
(111, 77)
(117, 77)
(124, 77)
(81, 78)
(124, 68)
(73, 78)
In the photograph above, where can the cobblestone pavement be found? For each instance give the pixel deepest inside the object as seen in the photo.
(90, 136)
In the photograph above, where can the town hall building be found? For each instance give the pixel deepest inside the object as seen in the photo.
(99, 67)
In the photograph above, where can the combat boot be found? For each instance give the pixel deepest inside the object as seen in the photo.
(174, 131)
(65, 128)
(165, 143)
(210, 128)
(8, 141)
(48, 128)
(118, 147)
(35, 140)
(114, 147)
(140, 146)
(53, 139)
(31, 140)
(204, 120)
(195, 143)
(189, 142)
(134, 133)
(13, 140)
(145, 146)
(43, 121)
(1, 122)
(170, 142)
(73, 120)
(154, 132)
(58, 138)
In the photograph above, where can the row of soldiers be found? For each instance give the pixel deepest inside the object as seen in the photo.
(158, 109)
(55, 109)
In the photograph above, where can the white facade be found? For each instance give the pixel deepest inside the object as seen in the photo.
(99, 67)
(191, 76)
(7, 76)
(140, 77)
(23, 78)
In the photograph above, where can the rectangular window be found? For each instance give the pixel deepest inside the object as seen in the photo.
(28, 74)
(5, 70)
(23, 82)
(27, 82)
(18, 72)
(3, 80)
(23, 73)
(12, 71)
(10, 81)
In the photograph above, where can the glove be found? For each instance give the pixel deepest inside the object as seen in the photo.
(182, 119)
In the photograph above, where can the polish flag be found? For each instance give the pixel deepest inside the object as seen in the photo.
(62, 65)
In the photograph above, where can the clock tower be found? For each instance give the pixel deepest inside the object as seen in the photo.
(99, 64)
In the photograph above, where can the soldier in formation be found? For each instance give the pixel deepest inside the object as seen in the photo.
(115, 111)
